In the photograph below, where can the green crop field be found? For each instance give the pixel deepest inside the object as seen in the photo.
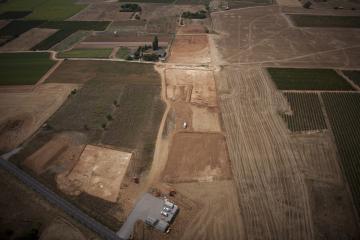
(122, 53)
(306, 112)
(43, 9)
(66, 29)
(343, 110)
(303, 20)
(15, 28)
(71, 40)
(86, 53)
(14, 14)
(23, 68)
(308, 79)
(353, 76)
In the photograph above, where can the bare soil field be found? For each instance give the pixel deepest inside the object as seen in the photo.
(271, 167)
(3, 23)
(289, 3)
(103, 11)
(23, 113)
(205, 119)
(194, 86)
(192, 28)
(99, 172)
(28, 39)
(190, 49)
(197, 157)
(264, 35)
(127, 26)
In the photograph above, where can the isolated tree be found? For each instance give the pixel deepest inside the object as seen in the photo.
(155, 43)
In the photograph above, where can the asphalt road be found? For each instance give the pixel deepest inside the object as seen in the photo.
(60, 202)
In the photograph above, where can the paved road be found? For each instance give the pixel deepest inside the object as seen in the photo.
(55, 199)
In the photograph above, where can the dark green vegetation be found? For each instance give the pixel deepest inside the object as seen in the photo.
(343, 110)
(14, 14)
(353, 76)
(66, 29)
(197, 15)
(306, 112)
(23, 68)
(86, 53)
(130, 7)
(308, 79)
(248, 3)
(303, 20)
(43, 9)
(15, 28)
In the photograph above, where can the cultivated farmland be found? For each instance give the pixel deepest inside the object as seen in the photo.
(86, 53)
(344, 114)
(66, 29)
(353, 76)
(306, 113)
(303, 20)
(15, 28)
(33, 66)
(308, 79)
(14, 14)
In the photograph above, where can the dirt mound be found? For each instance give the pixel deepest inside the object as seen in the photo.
(13, 129)
(197, 157)
(99, 172)
(59, 154)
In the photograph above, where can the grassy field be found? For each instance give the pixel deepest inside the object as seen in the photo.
(86, 53)
(122, 53)
(66, 29)
(23, 68)
(249, 3)
(343, 110)
(44, 9)
(308, 79)
(303, 20)
(353, 76)
(307, 114)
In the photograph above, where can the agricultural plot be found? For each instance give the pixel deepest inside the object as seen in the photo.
(353, 76)
(70, 40)
(23, 68)
(306, 113)
(66, 29)
(303, 20)
(14, 14)
(248, 3)
(16, 28)
(344, 112)
(308, 79)
(86, 53)
(122, 53)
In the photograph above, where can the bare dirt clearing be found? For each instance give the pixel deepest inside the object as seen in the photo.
(99, 172)
(61, 229)
(104, 11)
(23, 113)
(271, 167)
(194, 86)
(192, 28)
(3, 23)
(190, 49)
(264, 34)
(197, 157)
(28, 39)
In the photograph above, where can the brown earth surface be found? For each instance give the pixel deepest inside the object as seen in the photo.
(199, 84)
(3, 23)
(59, 154)
(23, 113)
(197, 157)
(191, 28)
(265, 35)
(99, 172)
(102, 11)
(60, 229)
(28, 39)
(190, 49)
